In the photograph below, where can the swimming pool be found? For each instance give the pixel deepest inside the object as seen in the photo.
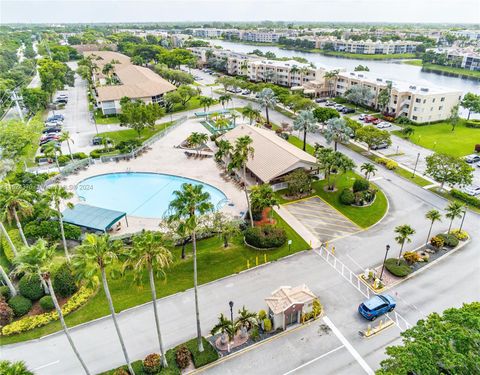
(139, 193)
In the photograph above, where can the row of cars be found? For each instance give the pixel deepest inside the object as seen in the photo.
(338, 107)
(472, 190)
(379, 123)
(53, 124)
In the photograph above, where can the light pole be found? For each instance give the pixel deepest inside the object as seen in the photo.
(231, 311)
(463, 218)
(416, 162)
(387, 248)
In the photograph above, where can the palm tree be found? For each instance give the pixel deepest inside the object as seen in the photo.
(337, 131)
(330, 77)
(14, 368)
(149, 253)
(38, 259)
(433, 216)
(13, 291)
(454, 210)
(246, 320)
(52, 149)
(9, 240)
(261, 197)
(15, 203)
(108, 69)
(250, 113)
(226, 327)
(234, 115)
(305, 122)
(224, 99)
(94, 255)
(65, 137)
(369, 169)
(242, 152)
(205, 102)
(189, 203)
(56, 194)
(404, 232)
(224, 149)
(267, 100)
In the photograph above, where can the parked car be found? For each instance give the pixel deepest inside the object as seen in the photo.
(339, 107)
(60, 101)
(55, 124)
(56, 116)
(369, 118)
(246, 92)
(379, 146)
(472, 190)
(320, 100)
(329, 103)
(383, 125)
(362, 116)
(376, 121)
(54, 129)
(376, 306)
(96, 141)
(348, 110)
(473, 158)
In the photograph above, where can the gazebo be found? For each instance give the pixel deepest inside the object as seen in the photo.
(93, 218)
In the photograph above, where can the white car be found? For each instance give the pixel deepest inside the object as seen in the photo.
(362, 117)
(383, 125)
(473, 158)
(472, 190)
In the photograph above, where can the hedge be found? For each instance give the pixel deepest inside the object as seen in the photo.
(398, 268)
(449, 239)
(30, 322)
(265, 236)
(14, 235)
(473, 124)
(473, 201)
(50, 230)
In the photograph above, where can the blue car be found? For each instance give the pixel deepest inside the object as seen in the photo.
(376, 306)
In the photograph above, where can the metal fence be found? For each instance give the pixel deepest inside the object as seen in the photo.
(358, 284)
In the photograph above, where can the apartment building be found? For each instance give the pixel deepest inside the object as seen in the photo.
(469, 34)
(126, 80)
(207, 32)
(285, 73)
(262, 36)
(370, 47)
(235, 62)
(465, 58)
(416, 102)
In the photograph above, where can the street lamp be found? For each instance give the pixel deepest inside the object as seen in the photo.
(387, 248)
(463, 218)
(231, 310)
(416, 162)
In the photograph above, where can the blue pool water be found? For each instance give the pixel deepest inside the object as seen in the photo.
(138, 194)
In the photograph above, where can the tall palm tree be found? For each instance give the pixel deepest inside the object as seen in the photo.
(267, 100)
(190, 203)
(454, 210)
(149, 253)
(330, 78)
(94, 255)
(65, 137)
(306, 122)
(250, 113)
(55, 194)
(15, 203)
(38, 259)
(226, 327)
(368, 169)
(9, 240)
(242, 152)
(224, 149)
(337, 131)
(224, 99)
(246, 320)
(433, 216)
(234, 115)
(6, 278)
(403, 235)
(53, 149)
(205, 102)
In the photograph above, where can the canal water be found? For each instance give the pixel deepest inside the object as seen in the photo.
(388, 69)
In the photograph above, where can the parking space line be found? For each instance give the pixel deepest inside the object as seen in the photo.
(349, 346)
(315, 359)
(46, 365)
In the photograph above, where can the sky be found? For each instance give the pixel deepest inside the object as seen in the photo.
(96, 11)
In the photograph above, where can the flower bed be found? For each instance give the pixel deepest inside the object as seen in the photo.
(35, 321)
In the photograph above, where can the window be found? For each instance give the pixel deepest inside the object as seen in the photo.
(424, 101)
(440, 108)
(418, 100)
(415, 109)
(433, 100)
(442, 99)
(414, 118)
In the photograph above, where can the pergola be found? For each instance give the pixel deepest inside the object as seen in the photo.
(91, 217)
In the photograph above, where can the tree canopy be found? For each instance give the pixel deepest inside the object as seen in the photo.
(449, 170)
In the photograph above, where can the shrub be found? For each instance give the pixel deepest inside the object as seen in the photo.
(6, 313)
(317, 308)
(265, 236)
(459, 234)
(473, 124)
(360, 184)
(98, 152)
(20, 305)
(473, 201)
(63, 159)
(46, 303)
(477, 147)
(403, 120)
(267, 325)
(31, 287)
(121, 371)
(5, 292)
(128, 146)
(200, 359)
(262, 314)
(50, 230)
(152, 363)
(347, 197)
(17, 241)
(182, 356)
(437, 242)
(31, 322)
(449, 239)
(391, 165)
(63, 281)
(254, 335)
(412, 257)
(397, 268)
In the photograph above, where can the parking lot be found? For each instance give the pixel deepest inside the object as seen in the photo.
(320, 219)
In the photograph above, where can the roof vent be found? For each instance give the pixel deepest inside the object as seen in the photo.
(425, 89)
(379, 80)
(413, 87)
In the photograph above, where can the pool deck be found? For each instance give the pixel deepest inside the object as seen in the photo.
(165, 158)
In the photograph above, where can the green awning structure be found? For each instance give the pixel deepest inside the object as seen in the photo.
(205, 114)
(92, 217)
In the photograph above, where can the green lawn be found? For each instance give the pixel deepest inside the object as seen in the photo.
(214, 262)
(450, 70)
(105, 120)
(415, 62)
(129, 134)
(440, 138)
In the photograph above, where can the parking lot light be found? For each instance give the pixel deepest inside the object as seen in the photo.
(387, 248)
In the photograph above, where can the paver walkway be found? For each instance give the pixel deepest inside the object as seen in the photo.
(321, 219)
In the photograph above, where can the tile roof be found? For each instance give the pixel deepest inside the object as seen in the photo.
(273, 155)
(286, 296)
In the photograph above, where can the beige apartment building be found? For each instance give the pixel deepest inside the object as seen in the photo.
(418, 103)
(285, 73)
